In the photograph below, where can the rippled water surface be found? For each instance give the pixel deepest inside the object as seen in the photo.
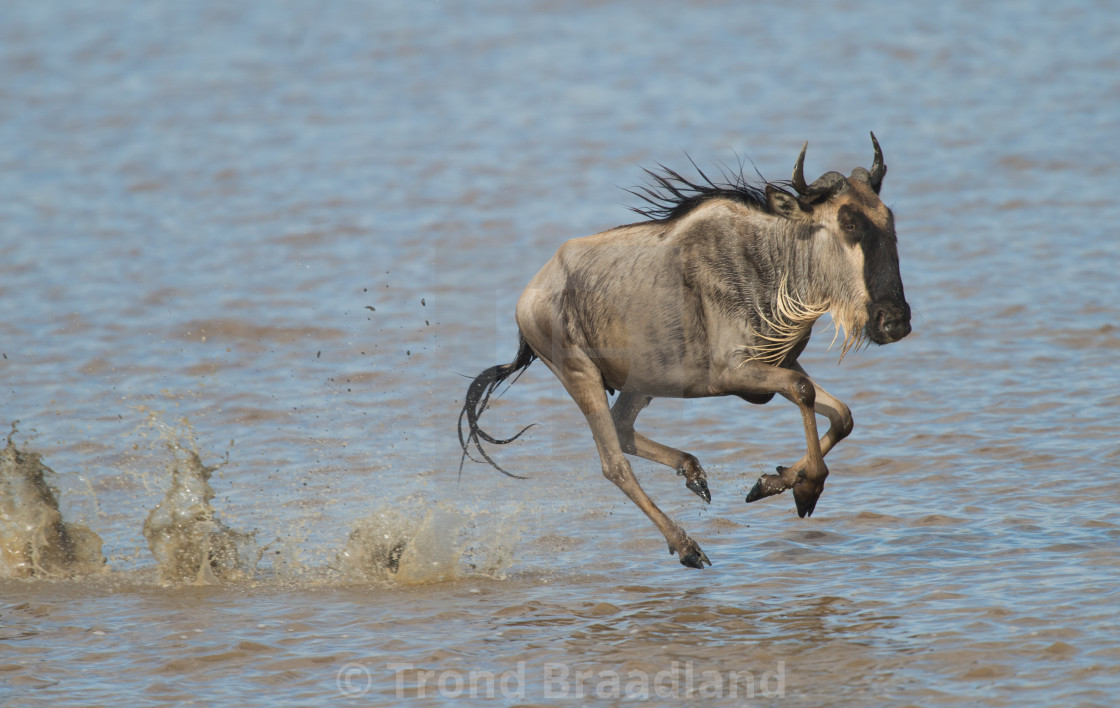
(277, 235)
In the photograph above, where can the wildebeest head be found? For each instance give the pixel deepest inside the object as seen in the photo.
(853, 255)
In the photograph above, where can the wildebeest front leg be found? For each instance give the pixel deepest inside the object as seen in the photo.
(584, 383)
(624, 412)
(840, 426)
(806, 480)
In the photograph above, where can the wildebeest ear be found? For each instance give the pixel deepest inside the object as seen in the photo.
(783, 204)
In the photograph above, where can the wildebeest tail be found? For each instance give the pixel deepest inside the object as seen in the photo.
(478, 396)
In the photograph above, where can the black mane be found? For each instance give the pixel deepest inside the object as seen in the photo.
(670, 195)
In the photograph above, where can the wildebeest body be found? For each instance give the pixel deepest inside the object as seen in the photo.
(715, 295)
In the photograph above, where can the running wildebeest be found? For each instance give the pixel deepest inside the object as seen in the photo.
(714, 295)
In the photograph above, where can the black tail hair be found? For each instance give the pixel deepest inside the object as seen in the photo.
(478, 396)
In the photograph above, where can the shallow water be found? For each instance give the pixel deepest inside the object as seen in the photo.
(284, 232)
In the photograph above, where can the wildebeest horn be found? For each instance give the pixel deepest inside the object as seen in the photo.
(878, 168)
(827, 184)
(798, 181)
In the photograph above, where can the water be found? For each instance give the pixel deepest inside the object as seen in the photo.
(282, 232)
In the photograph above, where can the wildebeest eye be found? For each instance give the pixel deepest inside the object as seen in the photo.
(852, 232)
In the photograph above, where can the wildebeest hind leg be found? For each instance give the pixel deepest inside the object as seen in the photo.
(584, 383)
(624, 412)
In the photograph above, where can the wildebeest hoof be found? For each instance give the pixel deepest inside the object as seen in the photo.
(806, 498)
(699, 486)
(690, 554)
(767, 486)
(695, 478)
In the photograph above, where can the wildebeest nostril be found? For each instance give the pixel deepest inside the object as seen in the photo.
(897, 329)
(881, 320)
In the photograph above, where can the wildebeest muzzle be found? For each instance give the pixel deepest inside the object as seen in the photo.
(887, 321)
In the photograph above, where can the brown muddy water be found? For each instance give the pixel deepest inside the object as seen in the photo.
(248, 254)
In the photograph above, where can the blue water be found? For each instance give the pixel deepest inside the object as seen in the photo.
(287, 228)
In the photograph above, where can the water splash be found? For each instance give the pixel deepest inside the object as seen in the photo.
(489, 550)
(410, 542)
(190, 543)
(414, 542)
(35, 542)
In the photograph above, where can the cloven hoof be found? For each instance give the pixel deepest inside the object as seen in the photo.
(694, 558)
(699, 486)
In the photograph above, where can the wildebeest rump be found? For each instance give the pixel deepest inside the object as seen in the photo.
(715, 294)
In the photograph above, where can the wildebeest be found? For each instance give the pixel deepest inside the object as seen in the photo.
(715, 294)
